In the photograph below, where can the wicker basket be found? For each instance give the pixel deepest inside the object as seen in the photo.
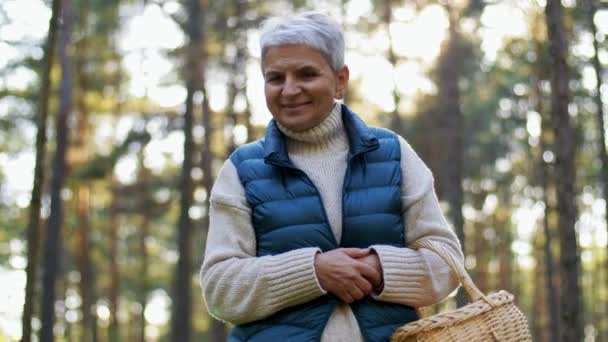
(487, 318)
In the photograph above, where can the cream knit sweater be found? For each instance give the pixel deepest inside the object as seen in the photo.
(239, 287)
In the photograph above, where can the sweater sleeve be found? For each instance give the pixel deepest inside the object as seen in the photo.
(418, 277)
(237, 286)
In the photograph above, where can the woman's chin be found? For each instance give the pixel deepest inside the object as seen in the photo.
(296, 121)
(300, 120)
(296, 126)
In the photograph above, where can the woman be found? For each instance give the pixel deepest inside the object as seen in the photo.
(309, 226)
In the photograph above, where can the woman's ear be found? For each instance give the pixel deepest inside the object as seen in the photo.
(342, 81)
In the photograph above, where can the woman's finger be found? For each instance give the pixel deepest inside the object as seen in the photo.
(356, 252)
(356, 293)
(346, 297)
(364, 286)
(371, 274)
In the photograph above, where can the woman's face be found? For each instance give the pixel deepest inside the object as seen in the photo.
(300, 85)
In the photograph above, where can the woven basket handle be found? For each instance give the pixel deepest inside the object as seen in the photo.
(457, 267)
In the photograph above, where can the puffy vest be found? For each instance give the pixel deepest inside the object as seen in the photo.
(287, 213)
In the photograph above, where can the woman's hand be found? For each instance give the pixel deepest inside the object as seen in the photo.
(373, 261)
(340, 273)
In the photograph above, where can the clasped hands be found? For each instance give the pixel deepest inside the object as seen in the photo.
(349, 273)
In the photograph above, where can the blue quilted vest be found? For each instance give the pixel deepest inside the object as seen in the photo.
(287, 213)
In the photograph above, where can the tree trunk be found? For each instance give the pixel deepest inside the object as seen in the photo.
(452, 125)
(597, 66)
(144, 209)
(571, 313)
(33, 228)
(218, 329)
(396, 122)
(539, 315)
(181, 315)
(505, 256)
(89, 323)
(231, 117)
(480, 246)
(545, 140)
(53, 243)
(552, 292)
(182, 293)
(343, 6)
(238, 79)
(114, 332)
(63, 284)
(114, 335)
(81, 152)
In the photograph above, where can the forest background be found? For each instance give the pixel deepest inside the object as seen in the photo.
(116, 115)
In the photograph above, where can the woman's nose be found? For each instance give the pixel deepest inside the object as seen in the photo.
(291, 87)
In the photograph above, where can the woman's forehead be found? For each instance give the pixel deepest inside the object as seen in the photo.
(284, 56)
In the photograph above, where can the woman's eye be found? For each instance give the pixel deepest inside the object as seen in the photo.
(273, 79)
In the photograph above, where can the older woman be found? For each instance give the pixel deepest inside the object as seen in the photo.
(309, 226)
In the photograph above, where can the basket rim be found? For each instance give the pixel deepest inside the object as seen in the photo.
(452, 317)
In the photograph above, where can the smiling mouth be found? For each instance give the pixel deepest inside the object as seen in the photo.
(294, 106)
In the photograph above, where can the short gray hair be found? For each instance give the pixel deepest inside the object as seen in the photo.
(312, 29)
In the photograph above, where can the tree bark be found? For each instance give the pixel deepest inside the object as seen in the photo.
(238, 79)
(597, 66)
(81, 150)
(218, 329)
(114, 335)
(113, 297)
(571, 313)
(543, 179)
(144, 209)
(396, 122)
(480, 246)
(539, 314)
(89, 322)
(452, 125)
(505, 256)
(33, 228)
(181, 315)
(53, 243)
(181, 309)
(551, 293)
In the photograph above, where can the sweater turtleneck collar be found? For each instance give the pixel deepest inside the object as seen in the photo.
(328, 136)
